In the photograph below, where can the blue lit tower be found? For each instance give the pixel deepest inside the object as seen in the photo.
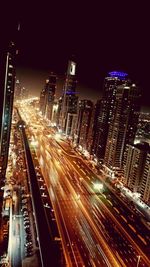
(104, 112)
(69, 99)
(7, 84)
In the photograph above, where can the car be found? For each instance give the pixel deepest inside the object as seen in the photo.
(24, 210)
(24, 201)
(26, 217)
(24, 206)
(29, 253)
(25, 213)
(29, 250)
(28, 238)
(24, 196)
(28, 230)
(27, 222)
(27, 226)
(28, 244)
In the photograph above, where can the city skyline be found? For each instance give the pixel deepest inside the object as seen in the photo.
(74, 161)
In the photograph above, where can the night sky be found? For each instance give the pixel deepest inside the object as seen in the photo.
(102, 37)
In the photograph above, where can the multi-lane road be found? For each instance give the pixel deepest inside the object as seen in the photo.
(96, 228)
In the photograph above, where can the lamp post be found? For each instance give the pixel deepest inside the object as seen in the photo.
(138, 261)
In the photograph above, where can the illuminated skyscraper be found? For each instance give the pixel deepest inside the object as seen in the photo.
(71, 124)
(58, 115)
(17, 93)
(105, 111)
(83, 122)
(47, 96)
(144, 189)
(69, 99)
(137, 169)
(42, 100)
(50, 95)
(134, 161)
(7, 84)
(123, 126)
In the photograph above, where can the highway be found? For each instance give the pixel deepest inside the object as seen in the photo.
(96, 228)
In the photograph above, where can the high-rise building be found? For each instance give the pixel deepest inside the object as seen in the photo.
(50, 95)
(123, 126)
(71, 124)
(54, 113)
(17, 93)
(42, 100)
(91, 129)
(85, 109)
(69, 99)
(144, 189)
(95, 133)
(58, 115)
(24, 93)
(143, 129)
(7, 84)
(134, 162)
(47, 96)
(104, 112)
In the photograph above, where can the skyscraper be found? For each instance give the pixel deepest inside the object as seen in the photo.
(47, 96)
(95, 133)
(50, 95)
(104, 112)
(17, 93)
(123, 125)
(43, 100)
(144, 189)
(69, 99)
(71, 124)
(134, 162)
(7, 83)
(83, 122)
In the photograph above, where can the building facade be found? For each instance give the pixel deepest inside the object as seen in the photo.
(17, 93)
(134, 162)
(84, 116)
(69, 98)
(47, 97)
(104, 112)
(144, 188)
(123, 126)
(7, 84)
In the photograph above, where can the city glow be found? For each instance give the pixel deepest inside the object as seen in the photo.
(98, 186)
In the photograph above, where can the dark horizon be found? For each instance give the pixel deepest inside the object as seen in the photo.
(102, 38)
